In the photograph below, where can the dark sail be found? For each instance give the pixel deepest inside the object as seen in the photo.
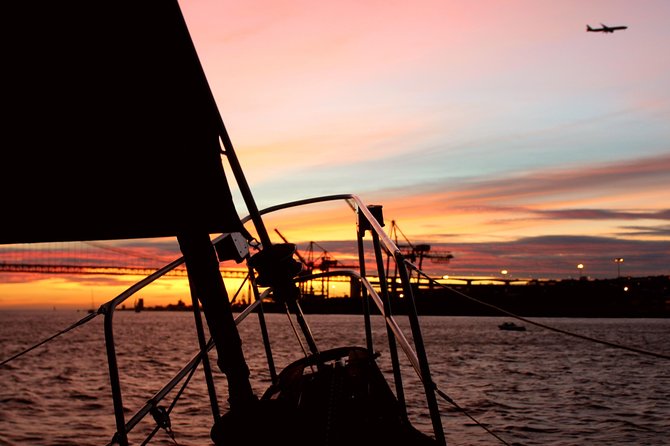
(109, 127)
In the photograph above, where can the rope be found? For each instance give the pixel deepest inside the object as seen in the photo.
(170, 432)
(82, 321)
(162, 419)
(452, 402)
(538, 324)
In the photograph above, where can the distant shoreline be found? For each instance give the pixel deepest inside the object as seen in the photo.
(643, 297)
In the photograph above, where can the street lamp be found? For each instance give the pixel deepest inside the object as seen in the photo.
(618, 261)
(580, 267)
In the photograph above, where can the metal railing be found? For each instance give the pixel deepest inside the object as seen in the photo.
(367, 221)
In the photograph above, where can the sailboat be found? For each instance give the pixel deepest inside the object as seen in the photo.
(112, 99)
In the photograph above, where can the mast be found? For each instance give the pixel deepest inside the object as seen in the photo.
(208, 287)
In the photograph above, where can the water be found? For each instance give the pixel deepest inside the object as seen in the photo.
(532, 388)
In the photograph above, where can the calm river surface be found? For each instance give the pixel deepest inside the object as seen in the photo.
(535, 387)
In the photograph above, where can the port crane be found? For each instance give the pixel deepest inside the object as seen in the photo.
(420, 251)
(414, 253)
(323, 262)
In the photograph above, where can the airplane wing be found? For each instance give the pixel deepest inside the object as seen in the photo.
(594, 30)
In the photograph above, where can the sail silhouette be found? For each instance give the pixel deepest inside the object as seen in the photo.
(110, 126)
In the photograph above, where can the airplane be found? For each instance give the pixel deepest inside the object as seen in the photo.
(605, 28)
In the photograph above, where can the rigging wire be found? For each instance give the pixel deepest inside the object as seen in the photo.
(239, 290)
(126, 252)
(539, 324)
(82, 321)
(295, 331)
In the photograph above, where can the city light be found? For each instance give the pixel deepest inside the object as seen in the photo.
(618, 261)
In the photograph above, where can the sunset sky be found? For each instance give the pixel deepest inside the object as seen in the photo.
(500, 131)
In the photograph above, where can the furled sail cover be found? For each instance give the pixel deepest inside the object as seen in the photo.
(109, 129)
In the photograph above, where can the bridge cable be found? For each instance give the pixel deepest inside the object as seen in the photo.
(71, 327)
(539, 324)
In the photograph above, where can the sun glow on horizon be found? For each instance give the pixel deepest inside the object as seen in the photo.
(501, 132)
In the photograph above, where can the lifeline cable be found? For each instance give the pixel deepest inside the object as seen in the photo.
(548, 327)
(75, 325)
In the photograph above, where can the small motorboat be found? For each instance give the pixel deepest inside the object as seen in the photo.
(511, 326)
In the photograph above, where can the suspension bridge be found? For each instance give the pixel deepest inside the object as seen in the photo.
(98, 258)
